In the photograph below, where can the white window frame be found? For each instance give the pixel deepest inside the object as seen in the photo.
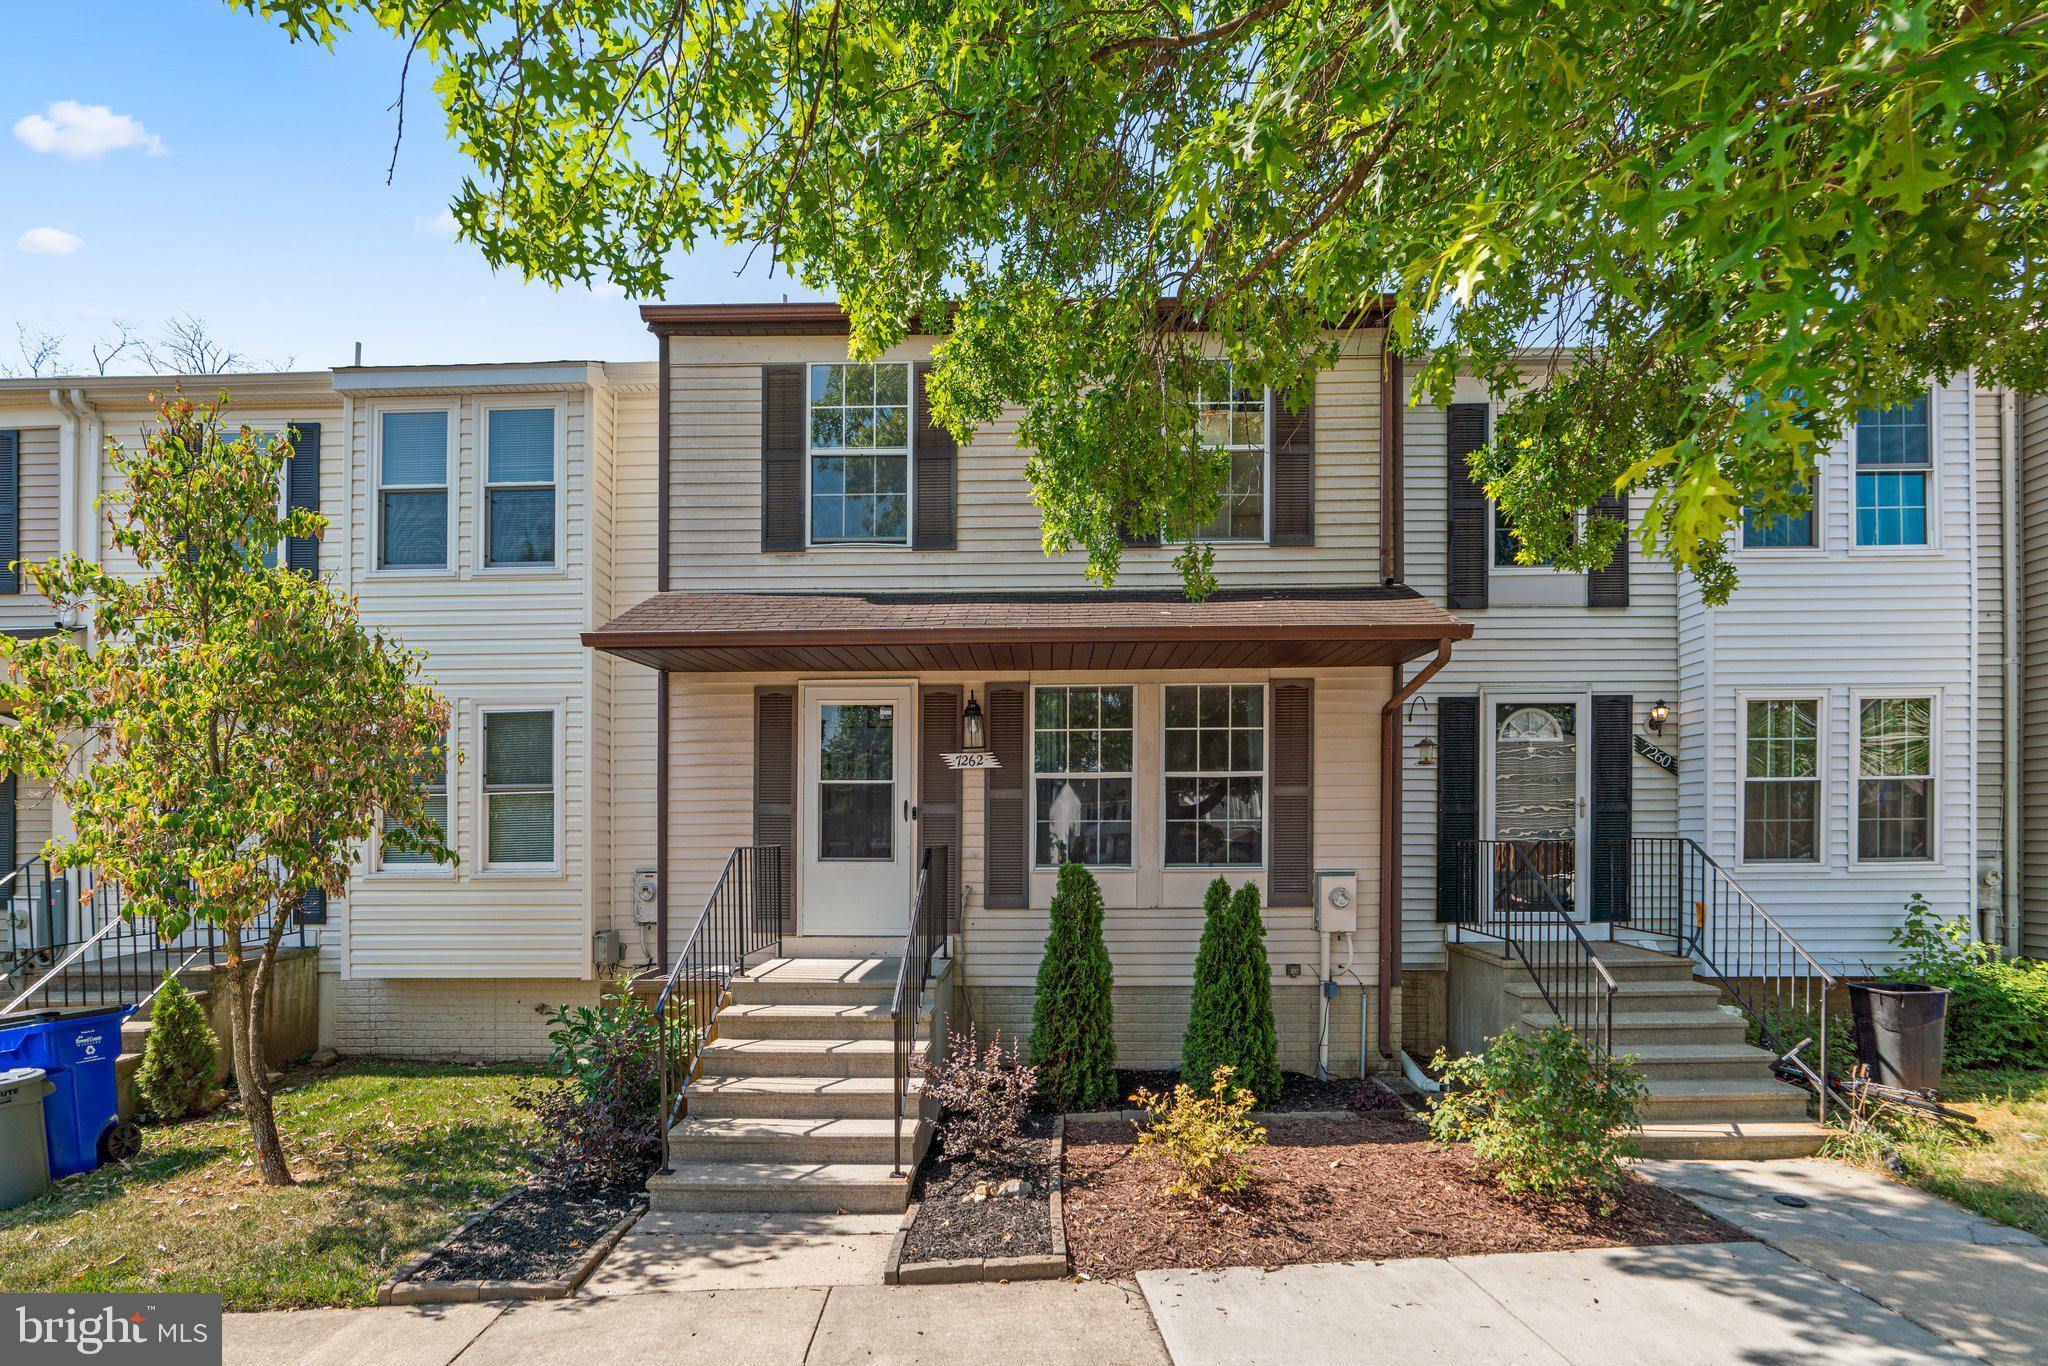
(486, 487)
(1935, 472)
(447, 568)
(1935, 859)
(1822, 715)
(485, 867)
(1265, 536)
(1818, 520)
(1033, 775)
(909, 541)
(383, 868)
(1264, 775)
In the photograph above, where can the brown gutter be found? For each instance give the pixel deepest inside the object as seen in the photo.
(1390, 838)
(661, 577)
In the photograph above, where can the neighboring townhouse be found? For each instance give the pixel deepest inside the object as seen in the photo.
(751, 596)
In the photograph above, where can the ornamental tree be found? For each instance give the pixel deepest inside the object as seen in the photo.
(1756, 218)
(1230, 1007)
(229, 730)
(1073, 1013)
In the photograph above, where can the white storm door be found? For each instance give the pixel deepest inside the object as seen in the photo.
(1537, 798)
(859, 840)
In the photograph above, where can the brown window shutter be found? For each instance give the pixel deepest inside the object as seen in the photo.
(934, 517)
(1294, 478)
(1608, 586)
(1290, 843)
(1005, 815)
(782, 457)
(1467, 552)
(938, 796)
(1457, 805)
(775, 787)
(302, 490)
(1613, 802)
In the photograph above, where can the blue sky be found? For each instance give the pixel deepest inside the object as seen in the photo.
(250, 192)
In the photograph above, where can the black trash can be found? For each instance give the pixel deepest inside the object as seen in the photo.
(1899, 1030)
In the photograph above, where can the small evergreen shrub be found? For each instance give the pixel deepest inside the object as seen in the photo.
(1073, 1044)
(1547, 1114)
(180, 1055)
(1997, 1007)
(598, 1115)
(985, 1092)
(1206, 1137)
(1230, 1011)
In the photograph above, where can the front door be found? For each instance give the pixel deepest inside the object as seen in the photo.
(1537, 801)
(859, 838)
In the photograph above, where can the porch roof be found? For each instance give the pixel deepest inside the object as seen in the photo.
(693, 632)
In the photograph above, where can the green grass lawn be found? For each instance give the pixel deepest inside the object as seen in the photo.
(2000, 1169)
(390, 1156)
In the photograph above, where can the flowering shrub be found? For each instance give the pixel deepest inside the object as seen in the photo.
(985, 1093)
(1206, 1137)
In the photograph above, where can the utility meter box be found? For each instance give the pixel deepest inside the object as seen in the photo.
(1337, 901)
(644, 889)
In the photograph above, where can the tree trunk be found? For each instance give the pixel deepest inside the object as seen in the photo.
(252, 1072)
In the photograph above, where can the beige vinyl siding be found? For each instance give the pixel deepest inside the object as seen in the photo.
(1565, 648)
(34, 815)
(40, 514)
(715, 413)
(2032, 425)
(1154, 918)
(629, 688)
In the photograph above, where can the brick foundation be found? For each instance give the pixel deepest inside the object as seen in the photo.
(463, 1018)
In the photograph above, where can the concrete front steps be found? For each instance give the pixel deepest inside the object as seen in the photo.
(791, 1106)
(1711, 1094)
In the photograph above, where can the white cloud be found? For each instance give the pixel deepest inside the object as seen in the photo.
(442, 224)
(48, 242)
(84, 132)
(606, 289)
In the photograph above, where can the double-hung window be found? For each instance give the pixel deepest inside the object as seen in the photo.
(1215, 775)
(1894, 472)
(434, 778)
(1786, 531)
(1081, 758)
(519, 487)
(412, 491)
(1781, 780)
(860, 454)
(519, 788)
(1231, 418)
(1895, 778)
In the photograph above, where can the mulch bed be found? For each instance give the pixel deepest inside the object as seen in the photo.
(950, 1227)
(1337, 1191)
(540, 1234)
(1298, 1092)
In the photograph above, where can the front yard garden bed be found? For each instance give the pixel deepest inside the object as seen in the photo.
(538, 1243)
(1342, 1190)
(950, 1235)
(1299, 1094)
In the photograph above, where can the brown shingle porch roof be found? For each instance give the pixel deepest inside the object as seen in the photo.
(689, 632)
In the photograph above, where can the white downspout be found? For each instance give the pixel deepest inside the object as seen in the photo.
(2011, 626)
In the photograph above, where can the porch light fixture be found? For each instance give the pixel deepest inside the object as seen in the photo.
(1660, 712)
(971, 733)
(1425, 752)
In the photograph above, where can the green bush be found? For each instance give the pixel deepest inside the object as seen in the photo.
(1073, 1044)
(1230, 1013)
(1998, 1007)
(180, 1055)
(1546, 1113)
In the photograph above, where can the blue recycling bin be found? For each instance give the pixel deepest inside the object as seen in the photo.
(81, 1117)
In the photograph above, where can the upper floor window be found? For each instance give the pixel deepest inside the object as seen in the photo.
(519, 787)
(1786, 531)
(1215, 775)
(1894, 465)
(412, 491)
(1232, 418)
(1895, 778)
(1781, 780)
(860, 454)
(519, 487)
(1081, 759)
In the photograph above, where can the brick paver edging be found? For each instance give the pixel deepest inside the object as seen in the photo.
(1036, 1267)
(401, 1290)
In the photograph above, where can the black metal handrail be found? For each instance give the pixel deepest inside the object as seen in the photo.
(743, 916)
(1509, 898)
(1679, 892)
(921, 943)
(35, 923)
(90, 952)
